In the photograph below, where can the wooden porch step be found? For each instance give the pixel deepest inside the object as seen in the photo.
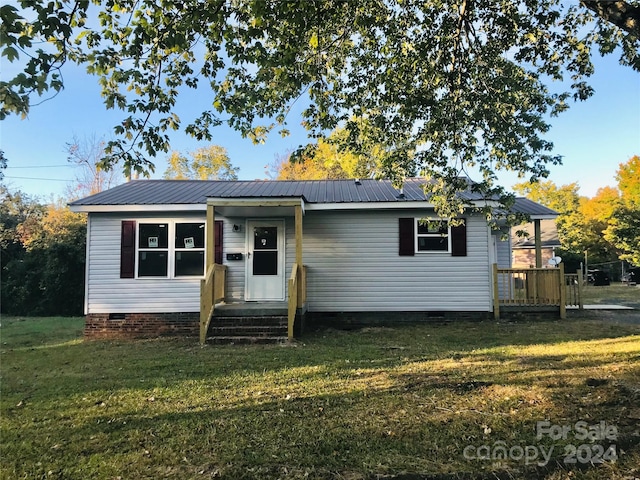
(245, 340)
(260, 321)
(248, 330)
(251, 329)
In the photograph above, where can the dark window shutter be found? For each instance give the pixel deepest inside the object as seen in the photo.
(459, 240)
(218, 233)
(128, 249)
(407, 236)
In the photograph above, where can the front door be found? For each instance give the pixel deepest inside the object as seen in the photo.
(265, 260)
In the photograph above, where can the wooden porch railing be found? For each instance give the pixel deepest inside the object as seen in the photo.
(212, 290)
(573, 287)
(297, 294)
(529, 287)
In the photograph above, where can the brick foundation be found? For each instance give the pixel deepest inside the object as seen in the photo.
(141, 325)
(356, 320)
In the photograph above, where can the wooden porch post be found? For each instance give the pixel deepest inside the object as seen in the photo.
(207, 299)
(538, 240)
(496, 293)
(299, 235)
(563, 293)
(210, 246)
(301, 286)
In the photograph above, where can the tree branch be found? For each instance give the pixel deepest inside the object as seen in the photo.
(621, 14)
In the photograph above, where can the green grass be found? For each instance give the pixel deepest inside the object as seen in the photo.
(338, 404)
(614, 294)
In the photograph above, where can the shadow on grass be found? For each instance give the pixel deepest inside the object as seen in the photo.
(371, 430)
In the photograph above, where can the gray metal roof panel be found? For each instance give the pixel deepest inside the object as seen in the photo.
(524, 205)
(184, 192)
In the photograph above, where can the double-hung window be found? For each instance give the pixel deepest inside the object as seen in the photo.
(153, 249)
(432, 236)
(421, 235)
(189, 249)
(170, 249)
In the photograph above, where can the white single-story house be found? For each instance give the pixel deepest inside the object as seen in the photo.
(364, 245)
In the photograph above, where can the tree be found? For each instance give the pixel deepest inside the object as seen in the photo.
(330, 157)
(3, 164)
(624, 232)
(450, 85)
(207, 163)
(623, 229)
(581, 220)
(564, 199)
(86, 154)
(628, 177)
(43, 256)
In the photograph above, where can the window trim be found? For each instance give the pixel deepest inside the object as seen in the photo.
(171, 248)
(417, 236)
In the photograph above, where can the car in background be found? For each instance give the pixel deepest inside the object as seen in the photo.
(598, 278)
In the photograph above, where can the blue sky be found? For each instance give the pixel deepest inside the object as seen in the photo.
(593, 137)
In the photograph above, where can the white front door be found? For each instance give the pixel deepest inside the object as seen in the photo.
(265, 260)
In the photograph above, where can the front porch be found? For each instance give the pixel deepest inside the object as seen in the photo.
(268, 318)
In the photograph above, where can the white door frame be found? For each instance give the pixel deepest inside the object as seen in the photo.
(268, 287)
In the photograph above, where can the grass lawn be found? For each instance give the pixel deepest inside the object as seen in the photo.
(375, 403)
(614, 294)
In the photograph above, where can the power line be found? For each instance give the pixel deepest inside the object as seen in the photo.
(41, 179)
(41, 166)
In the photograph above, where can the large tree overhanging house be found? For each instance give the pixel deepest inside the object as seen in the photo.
(180, 257)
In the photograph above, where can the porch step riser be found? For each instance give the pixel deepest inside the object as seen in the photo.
(247, 330)
(233, 340)
(276, 321)
(236, 331)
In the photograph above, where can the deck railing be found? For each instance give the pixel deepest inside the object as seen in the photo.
(529, 287)
(573, 287)
(212, 290)
(297, 294)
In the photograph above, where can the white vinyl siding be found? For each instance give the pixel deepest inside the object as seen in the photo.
(234, 242)
(352, 259)
(108, 293)
(503, 250)
(354, 265)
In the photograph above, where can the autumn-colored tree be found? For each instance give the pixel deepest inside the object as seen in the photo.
(623, 228)
(207, 163)
(628, 177)
(586, 231)
(581, 220)
(331, 158)
(43, 257)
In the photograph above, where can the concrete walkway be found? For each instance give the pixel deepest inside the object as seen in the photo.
(601, 307)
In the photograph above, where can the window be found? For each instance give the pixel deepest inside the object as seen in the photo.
(182, 257)
(153, 249)
(189, 249)
(432, 235)
(419, 236)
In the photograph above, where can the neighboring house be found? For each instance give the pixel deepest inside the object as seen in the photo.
(364, 244)
(523, 247)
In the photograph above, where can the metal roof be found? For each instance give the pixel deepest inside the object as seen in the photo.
(196, 192)
(176, 192)
(548, 235)
(533, 209)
